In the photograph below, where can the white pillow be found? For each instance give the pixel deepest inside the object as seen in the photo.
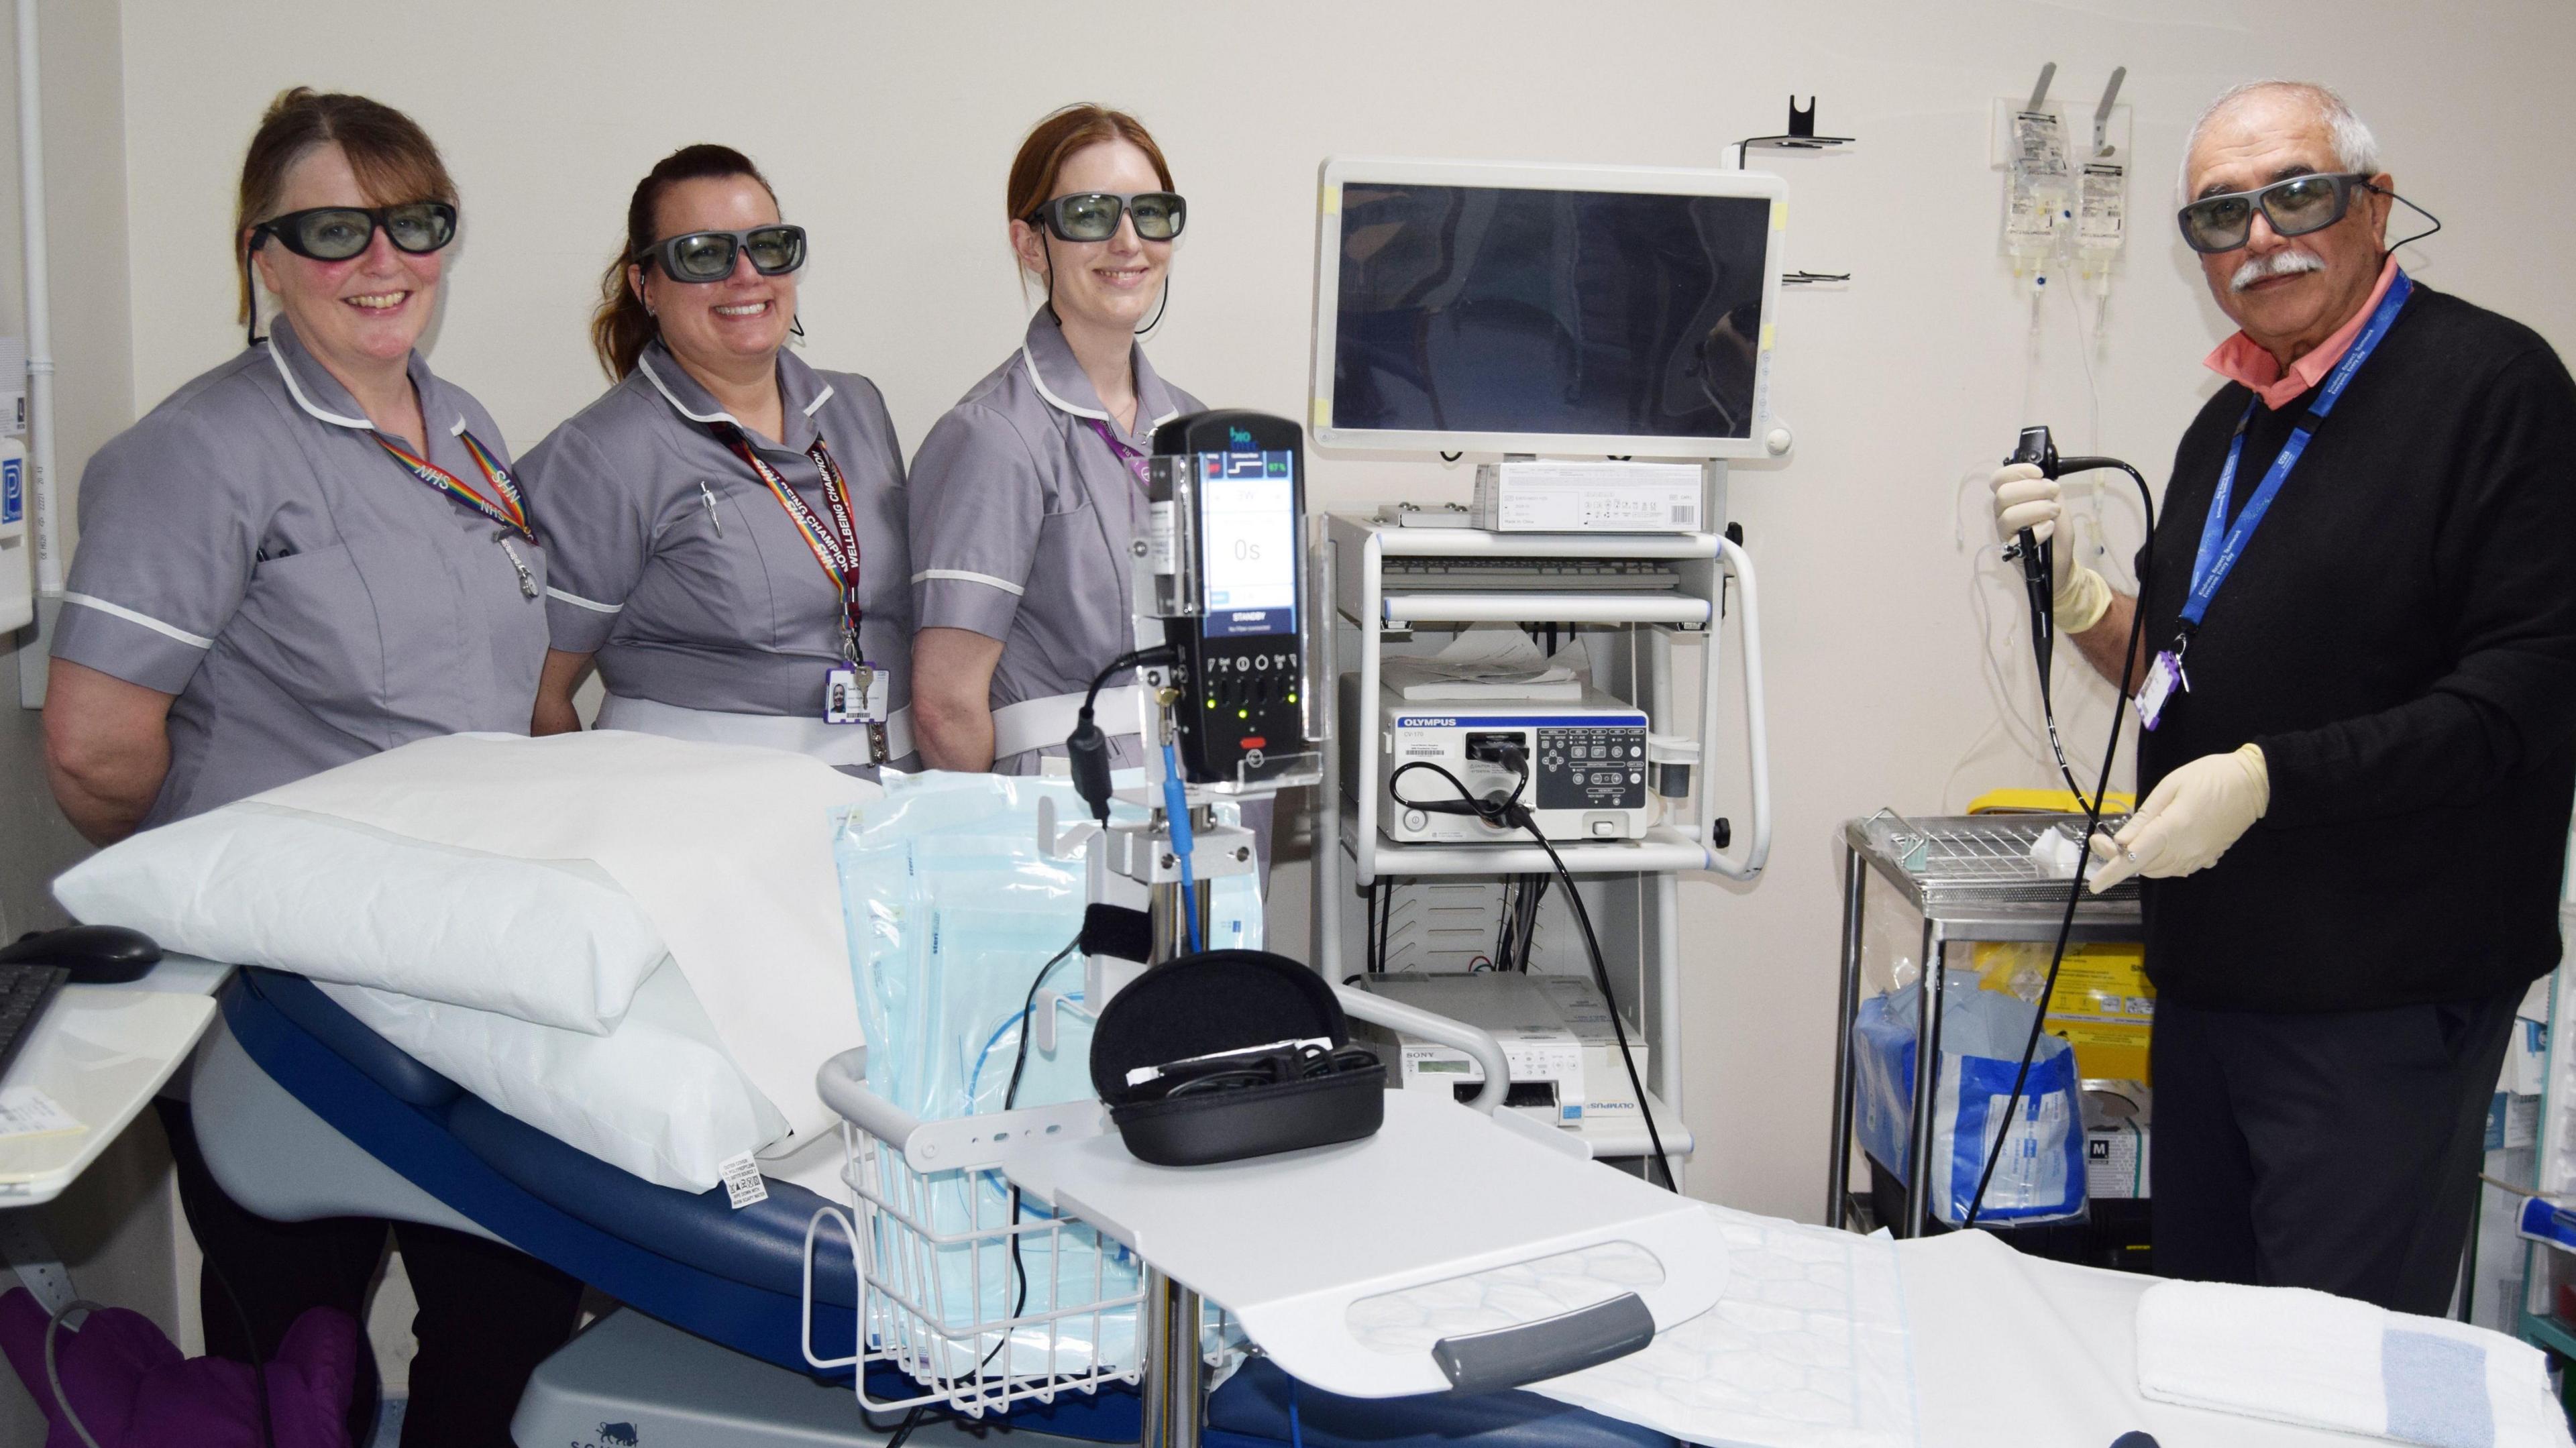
(556, 942)
(658, 1096)
(725, 848)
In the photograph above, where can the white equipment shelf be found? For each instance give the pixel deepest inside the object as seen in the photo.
(1248, 1236)
(1640, 938)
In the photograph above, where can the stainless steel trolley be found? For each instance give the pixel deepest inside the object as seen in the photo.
(1968, 878)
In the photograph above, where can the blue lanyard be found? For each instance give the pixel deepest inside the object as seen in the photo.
(2222, 544)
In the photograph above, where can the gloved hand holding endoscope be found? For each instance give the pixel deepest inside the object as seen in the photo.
(2188, 820)
(2026, 497)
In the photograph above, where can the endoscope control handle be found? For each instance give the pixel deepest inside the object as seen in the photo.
(2037, 447)
(2037, 560)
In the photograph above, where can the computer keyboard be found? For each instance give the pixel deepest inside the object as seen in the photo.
(1531, 575)
(24, 991)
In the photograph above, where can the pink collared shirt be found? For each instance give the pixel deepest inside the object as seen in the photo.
(2239, 359)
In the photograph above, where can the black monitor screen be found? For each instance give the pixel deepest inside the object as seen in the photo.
(1488, 309)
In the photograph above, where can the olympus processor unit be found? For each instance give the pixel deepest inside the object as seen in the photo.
(1584, 763)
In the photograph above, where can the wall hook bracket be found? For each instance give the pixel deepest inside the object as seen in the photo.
(2102, 112)
(2039, 92)
(1801, 135)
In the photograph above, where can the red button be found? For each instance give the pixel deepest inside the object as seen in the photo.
(1256, 742)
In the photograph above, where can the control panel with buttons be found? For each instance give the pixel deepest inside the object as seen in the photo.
(1591, 767)
(1584, 763)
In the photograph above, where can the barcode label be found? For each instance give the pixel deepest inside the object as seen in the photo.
(742, 1182)
(1685, 515)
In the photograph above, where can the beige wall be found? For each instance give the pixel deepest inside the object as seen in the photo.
(117, 1228)
(887, 129)
(93, 354)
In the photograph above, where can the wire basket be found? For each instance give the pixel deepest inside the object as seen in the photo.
(983, 1298)
(1980, 859)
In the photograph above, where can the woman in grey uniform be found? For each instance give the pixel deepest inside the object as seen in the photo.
(314, 552)
(725, 526)
(1028, 496)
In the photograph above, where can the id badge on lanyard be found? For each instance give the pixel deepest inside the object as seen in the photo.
(2164, 676)
(2223, 542)
(856, 690)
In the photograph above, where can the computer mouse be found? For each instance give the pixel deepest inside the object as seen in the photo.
(2134, 1440)
(95, 954)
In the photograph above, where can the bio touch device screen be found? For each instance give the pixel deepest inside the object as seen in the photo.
(1248, 529)
(1511, 310)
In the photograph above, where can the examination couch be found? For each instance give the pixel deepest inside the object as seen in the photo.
(304, 1112)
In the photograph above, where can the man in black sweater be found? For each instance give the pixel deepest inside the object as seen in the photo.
(2360, 777)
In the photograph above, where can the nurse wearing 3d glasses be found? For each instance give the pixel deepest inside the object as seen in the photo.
(1030, 493)
(725, 524)
(311, 553)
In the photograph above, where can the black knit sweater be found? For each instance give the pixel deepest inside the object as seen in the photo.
(2399, 638)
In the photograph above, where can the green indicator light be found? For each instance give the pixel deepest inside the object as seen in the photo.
(1243, 713)
(1292, 698)
(1211, 703)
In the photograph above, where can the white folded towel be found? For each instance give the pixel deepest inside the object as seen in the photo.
(2295, 1356)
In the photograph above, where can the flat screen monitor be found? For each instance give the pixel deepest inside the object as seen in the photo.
(1558, 310)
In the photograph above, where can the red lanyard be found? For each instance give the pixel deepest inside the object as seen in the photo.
(1134, 460)
(510, 512)
(835, 548)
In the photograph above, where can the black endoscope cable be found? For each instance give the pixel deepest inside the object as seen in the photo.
(1508, 812)
(2042, 628)
(1086, 750)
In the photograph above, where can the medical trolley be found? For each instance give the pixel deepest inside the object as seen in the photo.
(1961, 880)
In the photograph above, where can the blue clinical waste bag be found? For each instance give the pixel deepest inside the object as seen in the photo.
(2041, 1176)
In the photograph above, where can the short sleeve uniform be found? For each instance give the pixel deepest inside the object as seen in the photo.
(252, 549)
(1023, 520)
(676, 565)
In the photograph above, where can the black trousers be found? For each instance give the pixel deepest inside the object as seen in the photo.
(2334, 1151)
(488, 1314)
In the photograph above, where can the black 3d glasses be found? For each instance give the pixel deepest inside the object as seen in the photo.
(337, 233)
(2294, 207)
(1093, 215)
(708, 256)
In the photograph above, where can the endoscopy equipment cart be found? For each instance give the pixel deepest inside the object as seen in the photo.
(929, 1230)
(1640, 931)
(1966, 879)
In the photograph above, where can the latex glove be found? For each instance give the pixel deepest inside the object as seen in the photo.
(2188, 820)
(2024, 498)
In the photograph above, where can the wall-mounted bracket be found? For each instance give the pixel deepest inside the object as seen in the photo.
(1801, 135)
(2102, 112)
(2039, 92)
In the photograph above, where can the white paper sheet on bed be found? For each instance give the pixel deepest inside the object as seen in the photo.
(1827, 1340)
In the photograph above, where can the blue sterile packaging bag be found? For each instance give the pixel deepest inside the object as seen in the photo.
(952, 913)
(2041, 1176)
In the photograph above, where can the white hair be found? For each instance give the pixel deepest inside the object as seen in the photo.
(2355, 148)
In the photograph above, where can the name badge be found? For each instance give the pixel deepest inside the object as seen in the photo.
(2163, 677)
(857, 694)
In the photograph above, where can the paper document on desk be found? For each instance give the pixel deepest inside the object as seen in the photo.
(28, 1111)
